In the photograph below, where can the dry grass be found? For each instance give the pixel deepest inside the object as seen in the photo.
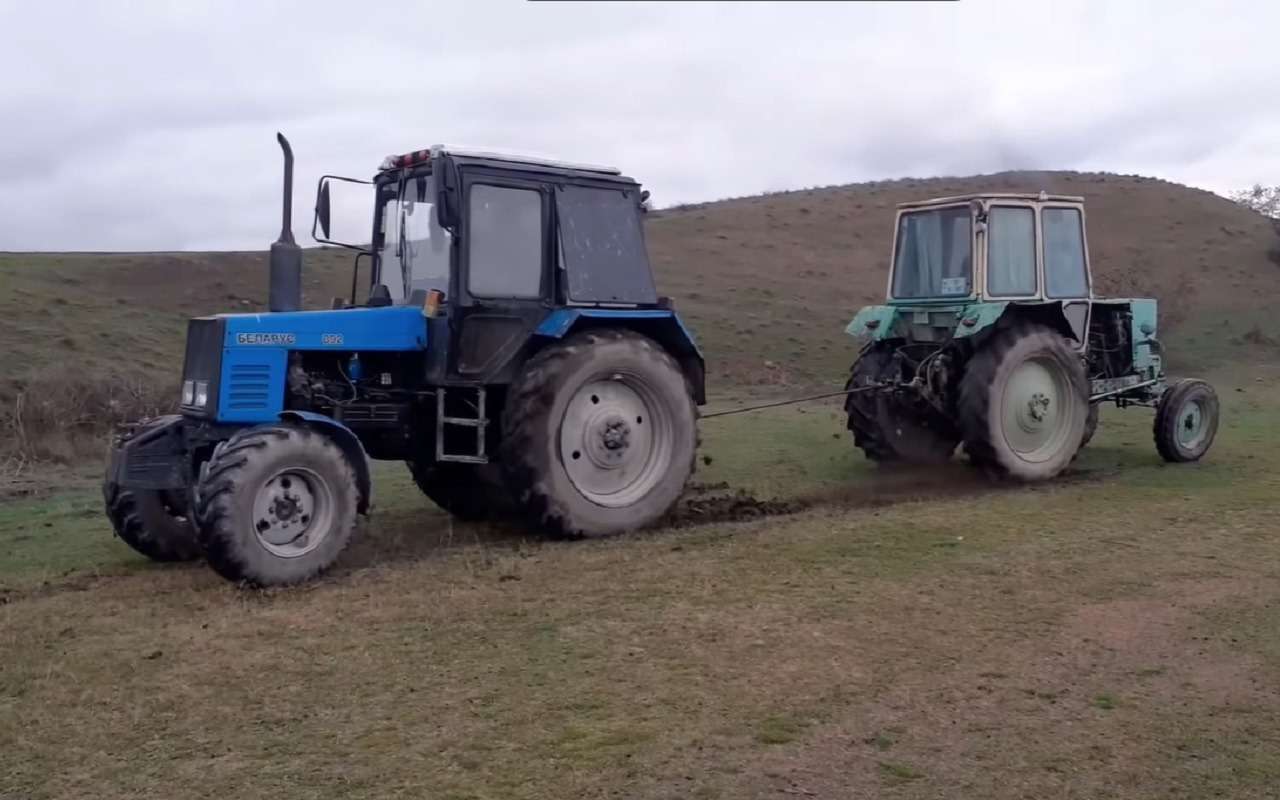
(59, 412)
(1108, 636)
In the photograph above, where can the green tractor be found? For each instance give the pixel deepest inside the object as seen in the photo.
(991, 337)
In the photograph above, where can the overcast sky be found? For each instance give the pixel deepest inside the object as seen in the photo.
(143, 126)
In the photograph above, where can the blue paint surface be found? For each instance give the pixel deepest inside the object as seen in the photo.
(255, 354)
(252, 385)
(561, 321)
(398, 328)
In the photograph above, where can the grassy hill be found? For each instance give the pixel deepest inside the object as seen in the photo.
(768, 283)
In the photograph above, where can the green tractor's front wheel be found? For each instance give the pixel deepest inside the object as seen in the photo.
(1186, 420)
(1024, 403)
(599, 434)
(276, 504)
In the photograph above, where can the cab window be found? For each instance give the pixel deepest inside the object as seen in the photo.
(505, 242)
(1011, 251)
(1064, 266)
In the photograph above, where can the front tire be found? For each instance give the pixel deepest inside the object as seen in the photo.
(1024, 403)
(1186, 420)
(276, 505)
(599, 434)
(152, 522)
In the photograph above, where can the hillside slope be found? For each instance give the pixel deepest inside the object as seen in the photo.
(767, 282)
(775, 278)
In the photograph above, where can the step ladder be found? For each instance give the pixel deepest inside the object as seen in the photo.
(480, 422)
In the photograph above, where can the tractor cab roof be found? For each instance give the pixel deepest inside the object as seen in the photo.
(505, 161)
(1041, 197)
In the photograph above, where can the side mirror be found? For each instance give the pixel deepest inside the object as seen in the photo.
(446, 192)
(322, 207)
(354, 196)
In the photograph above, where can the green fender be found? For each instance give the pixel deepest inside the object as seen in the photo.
(878, 323)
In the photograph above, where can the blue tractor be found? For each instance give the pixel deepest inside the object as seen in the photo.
(512, 350)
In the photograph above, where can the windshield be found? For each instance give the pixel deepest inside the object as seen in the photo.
(413, 251)
(932, 256)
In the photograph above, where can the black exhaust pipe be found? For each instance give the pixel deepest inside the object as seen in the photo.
(285, 288)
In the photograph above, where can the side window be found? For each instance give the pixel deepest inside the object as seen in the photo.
(1064, 268)
(1011, 251)
(505, 242)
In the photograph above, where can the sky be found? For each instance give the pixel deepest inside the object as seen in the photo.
(151, 125)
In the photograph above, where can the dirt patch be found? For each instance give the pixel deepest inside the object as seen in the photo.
(706, 503)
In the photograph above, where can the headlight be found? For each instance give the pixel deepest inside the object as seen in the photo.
(202, 393)
(188, 393)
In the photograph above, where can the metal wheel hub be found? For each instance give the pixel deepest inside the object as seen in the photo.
(1037, 408)
(1191, 425)
(615, 440)
(292, 512)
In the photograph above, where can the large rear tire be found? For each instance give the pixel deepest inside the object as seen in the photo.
(470, 492)
(276, 505)
(154, 523)
(599, 434)
(886, 432)
(1090, 425)
(1186, 420)
(1024, 403)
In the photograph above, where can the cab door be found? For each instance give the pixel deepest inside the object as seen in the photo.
(504, 277)
(1066, 266)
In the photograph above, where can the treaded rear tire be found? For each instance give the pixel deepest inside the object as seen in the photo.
(533, 418)
(148, 522)
(230, 482)
(470, 492)
(1090, 425)
(884, 431)
(1169, 413)
(981, 404)
(867, 435)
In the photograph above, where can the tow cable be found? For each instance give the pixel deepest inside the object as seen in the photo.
(777, 403)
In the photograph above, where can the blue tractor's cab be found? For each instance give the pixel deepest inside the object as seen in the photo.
(511, 348)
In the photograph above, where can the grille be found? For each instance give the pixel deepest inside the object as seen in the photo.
(370, 413)
(249, 387)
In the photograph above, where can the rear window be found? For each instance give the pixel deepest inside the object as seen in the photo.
(602, 246)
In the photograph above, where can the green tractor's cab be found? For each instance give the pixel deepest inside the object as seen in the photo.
(972, 280)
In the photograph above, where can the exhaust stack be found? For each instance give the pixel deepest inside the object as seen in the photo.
(285, 287)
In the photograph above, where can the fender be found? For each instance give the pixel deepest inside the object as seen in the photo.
(347, 441)
(660, 324)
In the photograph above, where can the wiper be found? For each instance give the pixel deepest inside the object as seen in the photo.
(404, 255)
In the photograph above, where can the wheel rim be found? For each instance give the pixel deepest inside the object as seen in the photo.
(1039, 406)
(615, 440)
(293, 512)
(1192, 424)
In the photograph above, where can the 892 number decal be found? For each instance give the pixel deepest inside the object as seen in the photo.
(330, 338)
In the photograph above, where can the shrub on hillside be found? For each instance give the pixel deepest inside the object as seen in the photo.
(62, 413)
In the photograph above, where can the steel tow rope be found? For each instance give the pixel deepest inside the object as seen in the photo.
(787, 402)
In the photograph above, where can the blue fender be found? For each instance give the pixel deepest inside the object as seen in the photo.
(347, 441)
(660, 324)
